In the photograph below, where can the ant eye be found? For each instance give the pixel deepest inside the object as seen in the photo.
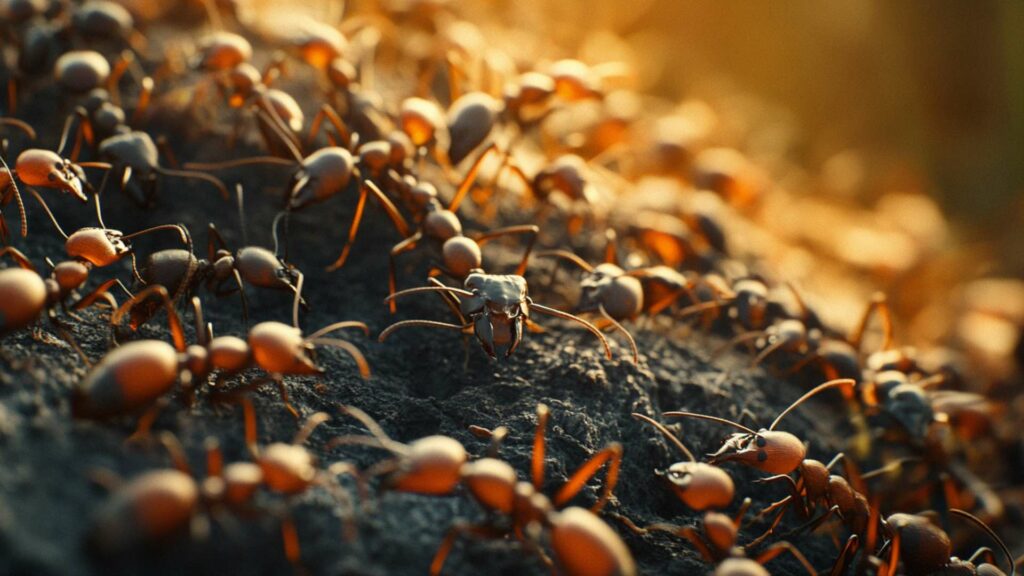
(762, 456)
(761, 442)
(51, 176)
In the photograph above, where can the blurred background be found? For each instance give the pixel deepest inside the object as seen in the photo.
(914, 96)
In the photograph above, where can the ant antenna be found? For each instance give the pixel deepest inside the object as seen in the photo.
(711, 418)
(48, 213)
(240, 195)
(805, 397)
(17, 193)
(667, 434)
(988, 530)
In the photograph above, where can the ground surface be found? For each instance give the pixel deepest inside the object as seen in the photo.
(420, 386)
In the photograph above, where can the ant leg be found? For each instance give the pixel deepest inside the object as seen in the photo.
(13, 189)
(353, 229)
(449, 540)
(406, 245)
(283, 392)
(174, 322)
(682, 531)
(214, 458)
(290, 536)
(196, 175)
(629, 337)
(527, 230)
(142, 103)
(470, 178)
(241, 295)
(146, 421)
(18, 256)
(780, 547)
(176, 451)
(101, 291)
(327, 111)
(878, 303)
(843, 560)
(612, 454)
(814, 523)
(422, 323)
(539, 447)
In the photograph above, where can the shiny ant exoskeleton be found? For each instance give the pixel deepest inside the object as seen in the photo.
(137, 374)
(495, 308)
(924, 549)
(582, 543)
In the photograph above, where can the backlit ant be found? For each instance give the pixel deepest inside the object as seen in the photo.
(698, 485)
(493, 307)
(135, 375)
(924, 549)
(460, 255)
(768, 450)
(582, 543)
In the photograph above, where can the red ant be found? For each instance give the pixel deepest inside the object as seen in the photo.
(924, 549)
(582, 543)
(137, 374)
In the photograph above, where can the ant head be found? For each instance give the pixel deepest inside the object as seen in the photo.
(498, 308)
(98, 246)
(470, 120)
(771, 451)
(280, 349)
(223, 265)
(720, 530)
(621, 296)
(700, 486)
(321, 175)
(46, 169)
(374, 156)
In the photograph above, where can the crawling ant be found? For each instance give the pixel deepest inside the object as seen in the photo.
(768, 450)
(36, 167)
(156, 505)
(137, 374)
(493, 307)
(582, 543)
(180, 272)
(698, 485)
(716, 543)
(924, 549)
(460, 255)
(320, 176)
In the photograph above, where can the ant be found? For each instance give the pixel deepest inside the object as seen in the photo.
(460, 255)
(180, 272)
(493, 307)
(36, 167)
(582, 543)
(924, 549)
(698, 485)
(318, 177)
(768, 450)
(716, 543)
(137, 374)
